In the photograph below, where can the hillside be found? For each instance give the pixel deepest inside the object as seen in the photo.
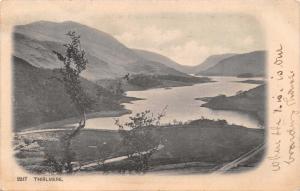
(207, 63)
(148, 55)
(252, 63)
(108, 58)
(206, 144)
(39, 98)
(210, 62)
(251, 101)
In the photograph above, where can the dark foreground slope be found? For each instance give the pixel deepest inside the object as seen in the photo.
(251, 101)
(208, 143)
(39, 98)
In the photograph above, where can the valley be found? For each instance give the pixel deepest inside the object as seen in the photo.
(214, 111)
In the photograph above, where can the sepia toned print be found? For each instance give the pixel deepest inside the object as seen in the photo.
(212, 116)
(130, 97)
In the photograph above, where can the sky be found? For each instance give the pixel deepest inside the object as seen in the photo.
(187, 39)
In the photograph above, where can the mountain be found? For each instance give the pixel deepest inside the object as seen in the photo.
(210, 62)
(39, 98)
(252, 64)
(108, 58)
(155, 57)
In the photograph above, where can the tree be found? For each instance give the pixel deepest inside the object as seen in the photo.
(138, 139)
(74, 62)
(119, 89)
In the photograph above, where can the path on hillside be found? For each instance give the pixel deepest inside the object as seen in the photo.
(225, 168)
(116, 159)
(239, 160)
(42, 131)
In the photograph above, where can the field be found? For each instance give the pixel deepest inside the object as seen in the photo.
(202, 145)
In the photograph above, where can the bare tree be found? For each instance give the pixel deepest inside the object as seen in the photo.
(74, 62)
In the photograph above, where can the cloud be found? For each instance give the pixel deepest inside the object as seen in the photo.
(171, 43)
(188, 53)
(150, 36)
(248, 41)
(192, 53)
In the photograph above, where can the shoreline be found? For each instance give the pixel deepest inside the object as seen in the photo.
(167, 84)
(67, 123)
(250, 102)
(64, 122)
(253, 114)
(113, 113)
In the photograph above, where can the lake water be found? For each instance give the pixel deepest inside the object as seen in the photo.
(181, 104)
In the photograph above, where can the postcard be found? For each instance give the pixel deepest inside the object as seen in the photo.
(150, 95)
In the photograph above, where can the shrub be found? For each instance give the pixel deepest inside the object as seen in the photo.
(139, 140)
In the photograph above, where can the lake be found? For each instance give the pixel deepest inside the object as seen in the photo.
(181, 104)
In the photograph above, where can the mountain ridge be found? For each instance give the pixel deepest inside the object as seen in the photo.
(211, 61)
(111, 59)
(251, 63)
(154, 56)
(103, 51)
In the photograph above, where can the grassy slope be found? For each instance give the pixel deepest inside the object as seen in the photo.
(251, 101)
(204, 141)
(39, 99)
(216, 144)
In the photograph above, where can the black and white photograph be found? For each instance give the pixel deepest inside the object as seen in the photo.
(149, 95)
(161, 94)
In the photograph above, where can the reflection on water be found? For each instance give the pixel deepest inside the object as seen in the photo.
(182, 105)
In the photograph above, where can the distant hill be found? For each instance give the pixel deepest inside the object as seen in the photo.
(252, 63)
(39, 98)
(163, 59)
(251, 101)
(108, 58)
(210, 62)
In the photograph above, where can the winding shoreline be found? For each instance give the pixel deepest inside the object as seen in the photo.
(250, 102)
(66, 123)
